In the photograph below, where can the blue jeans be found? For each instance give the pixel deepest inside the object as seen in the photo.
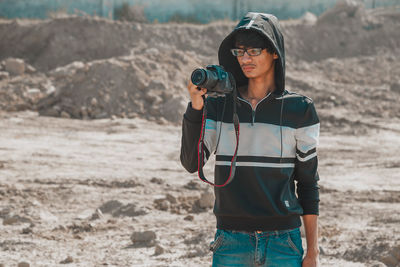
(271, 248)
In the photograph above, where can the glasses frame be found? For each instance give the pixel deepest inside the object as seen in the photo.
(239, 52)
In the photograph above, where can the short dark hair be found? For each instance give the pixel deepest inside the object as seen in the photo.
(251, 38)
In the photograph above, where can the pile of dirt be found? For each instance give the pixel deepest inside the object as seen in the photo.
(148, 83)
(365, 87)
(346, 30)
(52, 43)
(89, 68)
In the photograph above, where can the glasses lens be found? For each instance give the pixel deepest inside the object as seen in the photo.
(237, 52)
(254, 51)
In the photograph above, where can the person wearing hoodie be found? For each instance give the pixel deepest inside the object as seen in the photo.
(275, 180)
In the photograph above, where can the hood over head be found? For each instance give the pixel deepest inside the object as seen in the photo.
(268, 26)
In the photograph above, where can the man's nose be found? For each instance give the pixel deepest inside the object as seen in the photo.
(246, 57)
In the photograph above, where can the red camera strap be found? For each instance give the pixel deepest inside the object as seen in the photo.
(200, 147)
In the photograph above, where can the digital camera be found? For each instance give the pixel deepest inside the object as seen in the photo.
(214, 78)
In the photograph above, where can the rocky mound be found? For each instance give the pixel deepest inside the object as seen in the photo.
(148, 83)
(83, 67)
(346, 30)
(57, 42)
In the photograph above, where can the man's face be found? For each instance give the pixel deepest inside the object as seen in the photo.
(257, 66)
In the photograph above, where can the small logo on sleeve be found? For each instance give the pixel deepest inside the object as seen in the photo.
(287, 203)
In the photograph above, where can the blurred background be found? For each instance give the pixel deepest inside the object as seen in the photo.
(92, 95)
(165, 11)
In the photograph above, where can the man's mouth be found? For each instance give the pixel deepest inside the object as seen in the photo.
(247, 67)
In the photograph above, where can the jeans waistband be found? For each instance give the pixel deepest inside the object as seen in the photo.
(266, 233)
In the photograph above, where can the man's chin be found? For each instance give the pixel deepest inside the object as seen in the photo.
(249, 75)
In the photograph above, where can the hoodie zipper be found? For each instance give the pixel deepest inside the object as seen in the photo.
(253, 110)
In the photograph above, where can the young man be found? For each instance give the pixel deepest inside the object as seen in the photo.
(258, 213)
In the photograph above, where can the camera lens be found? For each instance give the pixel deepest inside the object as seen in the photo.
(199, 76)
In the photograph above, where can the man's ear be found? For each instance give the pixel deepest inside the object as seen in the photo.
(275, 56)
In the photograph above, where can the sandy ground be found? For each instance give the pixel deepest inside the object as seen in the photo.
(55, 173)
(111, 191)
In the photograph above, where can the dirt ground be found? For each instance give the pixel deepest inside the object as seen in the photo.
(57, 172)
(90, 117)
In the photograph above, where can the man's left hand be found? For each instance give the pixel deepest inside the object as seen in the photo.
(310, 261)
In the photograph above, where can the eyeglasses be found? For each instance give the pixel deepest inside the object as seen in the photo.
(239, 52)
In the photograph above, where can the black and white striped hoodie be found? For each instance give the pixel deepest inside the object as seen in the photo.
(276, 170)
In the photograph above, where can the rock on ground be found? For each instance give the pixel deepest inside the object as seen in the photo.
(146, 238)
(15, 66)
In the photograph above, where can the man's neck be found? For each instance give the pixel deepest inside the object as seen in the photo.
(259, 87)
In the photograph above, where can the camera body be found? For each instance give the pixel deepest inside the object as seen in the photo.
(215, 79)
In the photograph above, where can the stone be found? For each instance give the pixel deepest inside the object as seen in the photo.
(128, 210)
(100, 115)
(111, 221)
(60, 228)
(206, 200)
(152, 51)
(34, 95)
(10, 220)
(15, 66)
(389, 260)
(146, 238)
(83, 227)
(396, 252)
(395, 87)
(192, 185)
(15, 219)
(156, 180)
(347, 4)
(117, 209)
(47, 216)
(23, 264)
(29, 69)
(309, 18)
(110, 206)
(4, 75)
(189, 218)
(158, 250)
(50, 112)
(50, 90)
(342, 10)
(65, 115)
(161, 204)
(171, 198)
(93, 102)
(68, 70)
(377, 264)
(97, 215)
(196, 252)
(67, 260)
(27, 230)
(84, 113)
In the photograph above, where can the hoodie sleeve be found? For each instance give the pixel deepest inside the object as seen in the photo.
(191, 129)
(307, 135)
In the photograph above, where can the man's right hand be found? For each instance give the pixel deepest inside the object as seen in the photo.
(196, 96)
